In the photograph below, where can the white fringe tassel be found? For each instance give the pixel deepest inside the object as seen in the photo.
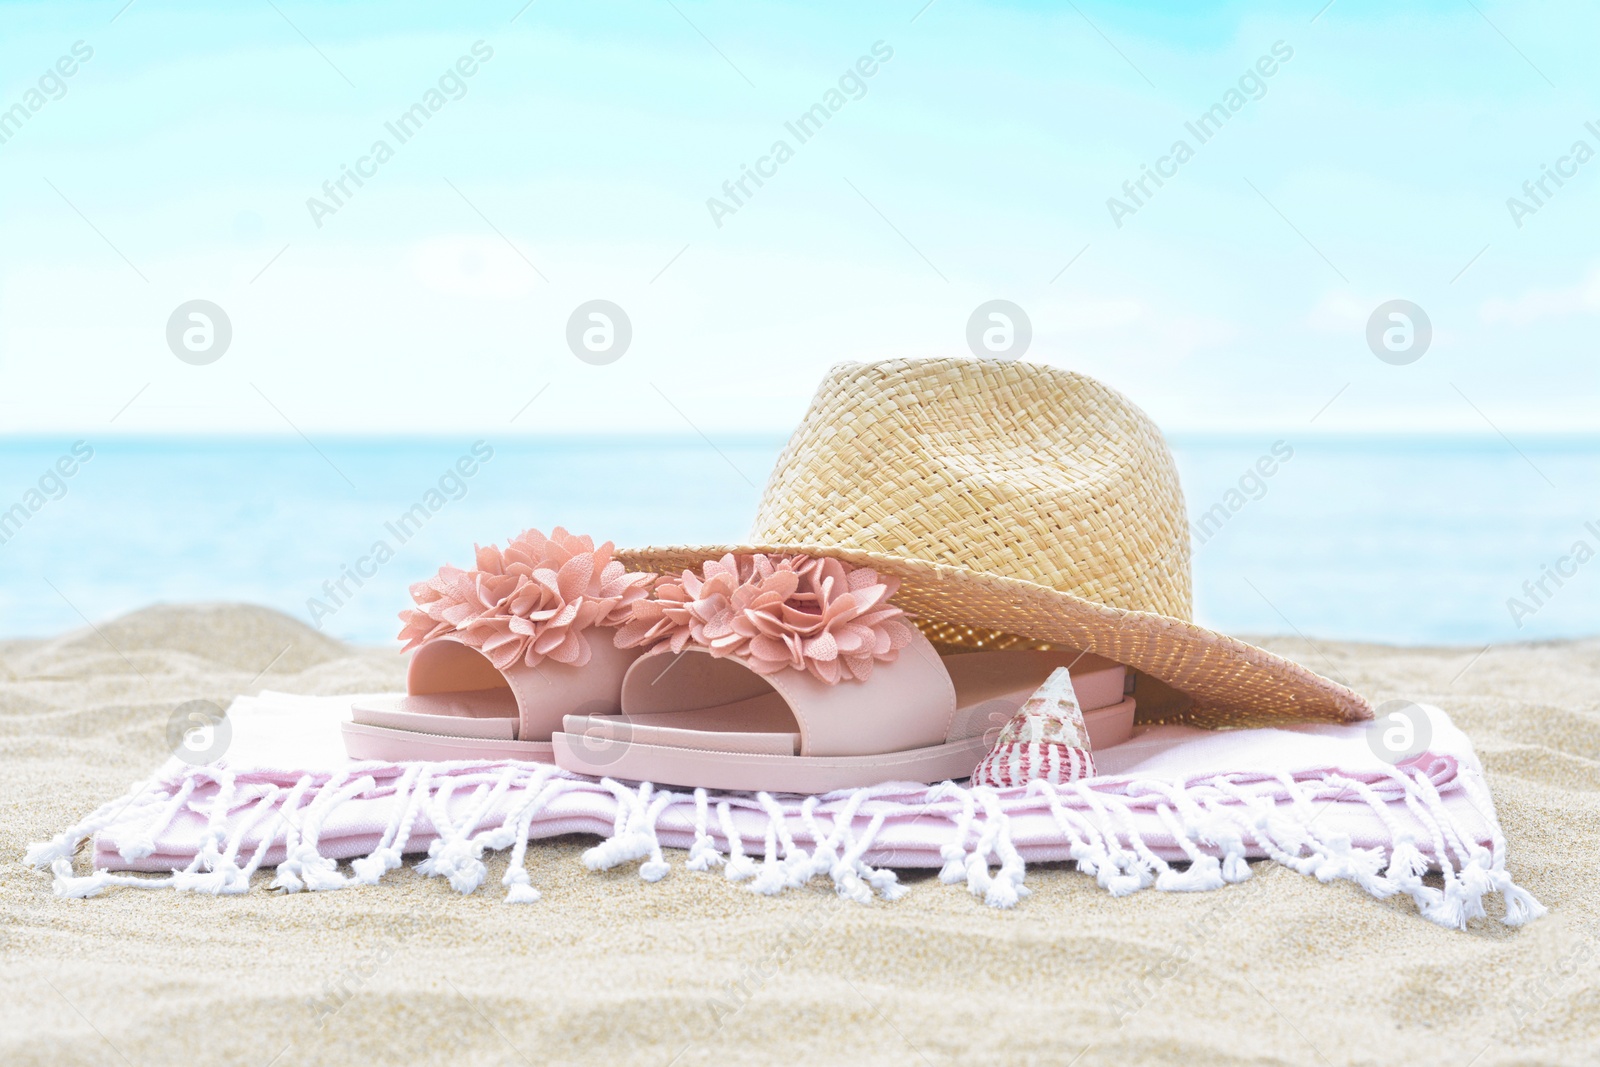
(1209, 820)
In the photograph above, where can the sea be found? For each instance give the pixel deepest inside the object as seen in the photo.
(1422, 540)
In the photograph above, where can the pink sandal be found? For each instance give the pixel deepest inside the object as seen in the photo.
(504, 653)
(791, 674)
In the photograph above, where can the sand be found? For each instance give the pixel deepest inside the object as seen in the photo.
(606, 968)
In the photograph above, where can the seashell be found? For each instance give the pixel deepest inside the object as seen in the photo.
(1046, 739)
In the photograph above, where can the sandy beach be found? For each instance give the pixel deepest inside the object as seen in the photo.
(607, 968)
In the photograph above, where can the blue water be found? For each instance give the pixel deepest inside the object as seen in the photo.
(1411, 540)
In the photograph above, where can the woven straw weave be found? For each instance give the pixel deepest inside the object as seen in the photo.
(1018, 504)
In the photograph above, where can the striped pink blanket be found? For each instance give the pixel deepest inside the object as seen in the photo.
(1175, 808)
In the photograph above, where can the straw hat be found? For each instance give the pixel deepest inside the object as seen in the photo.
(1019, 505)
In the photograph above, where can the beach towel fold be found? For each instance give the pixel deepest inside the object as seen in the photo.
(1175, 808)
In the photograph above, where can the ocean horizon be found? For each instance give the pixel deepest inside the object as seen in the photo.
(1424, 539)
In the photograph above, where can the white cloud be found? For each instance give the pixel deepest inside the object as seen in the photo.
(1340, 311)
(1536, 304)
(1097, 316)
(470, 266)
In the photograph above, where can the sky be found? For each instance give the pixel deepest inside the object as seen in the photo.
(1357, 155)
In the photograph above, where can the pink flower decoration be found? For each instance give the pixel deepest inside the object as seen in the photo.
(777, 613)
(532, 600)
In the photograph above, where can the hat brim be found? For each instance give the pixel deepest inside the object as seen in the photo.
(1214, 680)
